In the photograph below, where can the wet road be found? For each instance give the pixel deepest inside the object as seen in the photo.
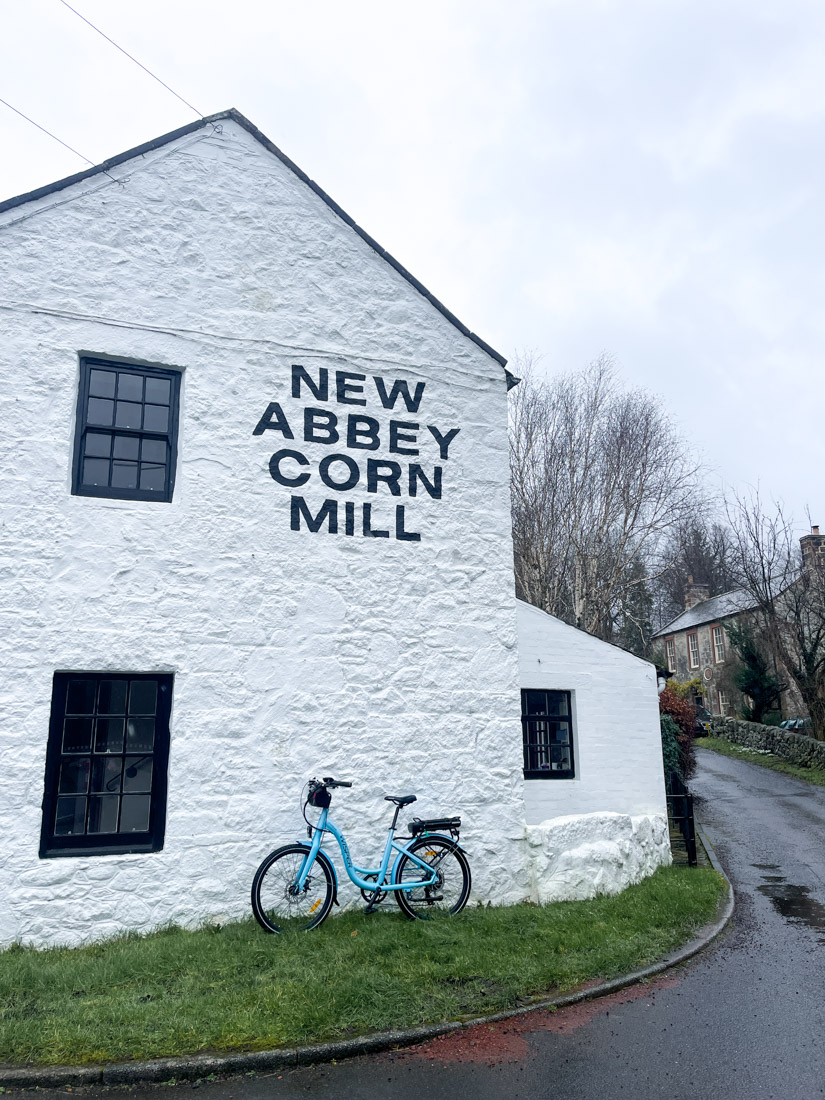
(744, 1021)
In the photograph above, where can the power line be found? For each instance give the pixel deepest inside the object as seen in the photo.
(127, 54)
(51, 135)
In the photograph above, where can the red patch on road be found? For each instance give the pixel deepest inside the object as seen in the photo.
(506, 1042)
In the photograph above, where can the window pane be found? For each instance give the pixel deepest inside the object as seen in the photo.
(128, 414)
(137, 777)
(130, 387)
(80, 698)
(140, 734)
(124, 475)
(106, 774)
(556, 702)
(102, 383)
(103, 813)
(143, 697)
(158, 390)
(95, 471)
(100, 411)
(112, 698)
(560, 758)
(153, 450)
(535, 702)
(134, 817)
(71, 816)
(74, 776)
(109, 735)
(98, 443)
(152, 477)
(156, 418)
(77, 735)
(126, 446)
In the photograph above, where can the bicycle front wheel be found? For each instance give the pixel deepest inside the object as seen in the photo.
(451, 890)
(278, 903)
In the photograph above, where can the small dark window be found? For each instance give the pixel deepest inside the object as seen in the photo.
(547, 728)
(106, 763)
(127, 426)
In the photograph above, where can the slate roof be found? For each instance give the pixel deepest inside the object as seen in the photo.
(241, 120)
(710, 611)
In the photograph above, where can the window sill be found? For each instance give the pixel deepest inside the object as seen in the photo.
(140, 848)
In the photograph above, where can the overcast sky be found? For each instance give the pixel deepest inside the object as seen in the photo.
(638, 177)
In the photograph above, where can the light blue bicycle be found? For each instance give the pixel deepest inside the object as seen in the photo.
(298, 884)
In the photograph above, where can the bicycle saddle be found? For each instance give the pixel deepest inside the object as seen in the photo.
(400, 799)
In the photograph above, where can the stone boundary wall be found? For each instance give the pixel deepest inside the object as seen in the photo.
(793, 747)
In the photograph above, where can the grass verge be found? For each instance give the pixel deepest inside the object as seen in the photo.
(235, 988)
(764, 760)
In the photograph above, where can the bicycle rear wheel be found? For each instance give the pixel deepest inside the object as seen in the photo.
(450, 892)
(276, 902)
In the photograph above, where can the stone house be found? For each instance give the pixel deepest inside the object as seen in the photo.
(696, 644)
(256, 527)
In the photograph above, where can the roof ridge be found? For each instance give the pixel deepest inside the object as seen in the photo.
(236, 116)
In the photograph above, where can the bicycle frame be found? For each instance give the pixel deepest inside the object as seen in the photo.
(355, 872)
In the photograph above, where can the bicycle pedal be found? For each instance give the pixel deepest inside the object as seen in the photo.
(371, 909)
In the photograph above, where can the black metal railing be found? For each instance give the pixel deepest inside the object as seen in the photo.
(680, 813)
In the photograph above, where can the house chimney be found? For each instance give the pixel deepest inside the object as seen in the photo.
(813, 548)
(696, 593)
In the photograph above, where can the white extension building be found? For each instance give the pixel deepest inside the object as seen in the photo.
(256, 527)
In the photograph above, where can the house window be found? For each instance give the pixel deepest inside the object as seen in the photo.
(546, 722)
(126, 435)
(723, 703)
(718, 644)
(670, 654)
(106, 763)
(693, 650)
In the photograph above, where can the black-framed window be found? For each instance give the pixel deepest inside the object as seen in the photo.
(547, 728)
(106, 763)
(127, 431)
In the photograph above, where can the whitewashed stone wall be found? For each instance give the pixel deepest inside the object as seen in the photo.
(607, 827)
(391, 663)
(578, 857)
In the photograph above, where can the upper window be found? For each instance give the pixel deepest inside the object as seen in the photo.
(670, 654)
(547, 728)
(127, 427)
(718, 644)
(693, 650)
(106, 763)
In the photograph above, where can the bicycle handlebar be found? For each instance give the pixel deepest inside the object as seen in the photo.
(330, 782)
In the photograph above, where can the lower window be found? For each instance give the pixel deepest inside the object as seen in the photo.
(547, 728)
(106, 763)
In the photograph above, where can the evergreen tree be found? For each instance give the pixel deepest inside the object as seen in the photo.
(754, 677)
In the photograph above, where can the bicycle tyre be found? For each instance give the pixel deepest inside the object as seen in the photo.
(450, 895)
(274, 908)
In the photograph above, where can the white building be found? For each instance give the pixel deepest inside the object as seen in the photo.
(256, 527)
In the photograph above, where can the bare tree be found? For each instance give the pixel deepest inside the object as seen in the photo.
(789, 594)
(598, 477)
(702, 549)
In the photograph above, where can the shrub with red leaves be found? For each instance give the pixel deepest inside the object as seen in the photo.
(683, 714)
